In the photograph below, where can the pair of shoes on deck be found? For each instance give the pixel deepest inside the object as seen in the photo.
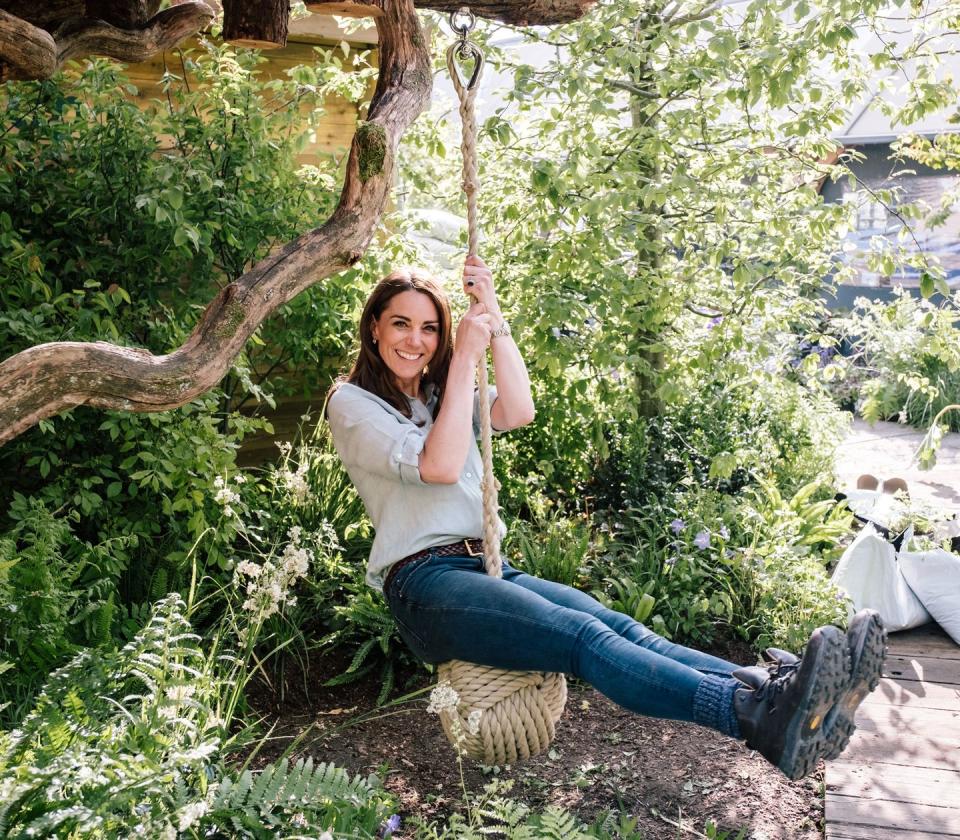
(889, 486)
(799, 710)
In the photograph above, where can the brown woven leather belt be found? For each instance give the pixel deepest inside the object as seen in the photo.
(462, 548)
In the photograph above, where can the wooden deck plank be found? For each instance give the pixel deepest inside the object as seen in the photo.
(922, 669)
(911, 720)
(928, 640)
(873, 832)
(899, 779)
(880, 813)
(895, 748)
(897, 783)
(914, 693)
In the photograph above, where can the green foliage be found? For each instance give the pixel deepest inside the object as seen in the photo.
(282, 796)
(309, 489)
(56, 593)
(495, 812)
(120, 223)
(363, 626)
(553, 547)
(791, 543)
(134, 741)
(911, 351)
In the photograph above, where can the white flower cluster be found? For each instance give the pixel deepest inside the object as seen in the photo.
(225, 496)
(327, 539)
(296, 483)
(443, 698)
(268, 586)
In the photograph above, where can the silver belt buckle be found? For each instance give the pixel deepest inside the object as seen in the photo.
(470, 551)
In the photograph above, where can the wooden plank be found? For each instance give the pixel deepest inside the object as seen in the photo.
(873, 832)
(915, 694)
(896, 748)
(920, 723)
(839, 809)
(922, 668)
(919, 785)
(929, 640)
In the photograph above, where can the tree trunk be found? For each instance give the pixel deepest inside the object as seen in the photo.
(647, 378)
(45, 15)
(125, 14)
(262, 25)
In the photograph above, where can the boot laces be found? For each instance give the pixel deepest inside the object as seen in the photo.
(781, 675)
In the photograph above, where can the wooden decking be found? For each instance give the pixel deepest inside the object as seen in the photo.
(900, 777)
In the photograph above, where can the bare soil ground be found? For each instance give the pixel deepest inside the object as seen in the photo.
(673, 778)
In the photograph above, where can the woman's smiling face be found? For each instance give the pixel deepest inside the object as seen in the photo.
(407, 335)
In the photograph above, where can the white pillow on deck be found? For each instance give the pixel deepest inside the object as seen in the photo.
(869, 573)
(935, 578)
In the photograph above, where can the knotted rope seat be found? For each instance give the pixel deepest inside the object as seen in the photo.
(518, 709)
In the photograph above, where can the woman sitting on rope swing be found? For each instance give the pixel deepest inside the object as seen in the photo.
(405, 422)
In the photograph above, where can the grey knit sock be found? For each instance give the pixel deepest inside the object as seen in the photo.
(713, 704)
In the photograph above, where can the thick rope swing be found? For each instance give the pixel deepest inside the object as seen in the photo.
(519, 709)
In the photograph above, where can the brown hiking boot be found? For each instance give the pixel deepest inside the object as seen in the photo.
(782, 714)
(866, 646)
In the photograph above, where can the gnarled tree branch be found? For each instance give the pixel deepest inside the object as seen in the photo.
(26, 51)
(48, 378)
(164, 30)
(30, 52)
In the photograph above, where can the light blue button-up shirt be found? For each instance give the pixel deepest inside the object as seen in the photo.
(380, 449)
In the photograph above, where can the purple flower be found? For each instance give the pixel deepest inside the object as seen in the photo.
(702, 539)
(677, 525)
(724, 532)
(714, 322)
(670, 562)
(391, 825)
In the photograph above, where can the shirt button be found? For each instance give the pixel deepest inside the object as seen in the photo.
(396, 456)
(469, 475)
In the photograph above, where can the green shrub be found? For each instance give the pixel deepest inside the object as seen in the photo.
(553, 546)
(120, 223)
(136, 741)
(911, 350)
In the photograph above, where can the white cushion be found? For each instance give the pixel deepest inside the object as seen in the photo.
(935, 578)
(869, 573)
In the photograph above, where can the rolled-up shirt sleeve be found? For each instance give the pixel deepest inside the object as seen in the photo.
(369, 437)
(492, 391)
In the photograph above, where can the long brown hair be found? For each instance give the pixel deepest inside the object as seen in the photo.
(369, 370)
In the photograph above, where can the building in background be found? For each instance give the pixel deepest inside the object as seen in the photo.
(869, 133)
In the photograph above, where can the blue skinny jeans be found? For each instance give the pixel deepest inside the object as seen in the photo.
(449, 608)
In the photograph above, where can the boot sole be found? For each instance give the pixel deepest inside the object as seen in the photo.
(805, 738)
(867, 648)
